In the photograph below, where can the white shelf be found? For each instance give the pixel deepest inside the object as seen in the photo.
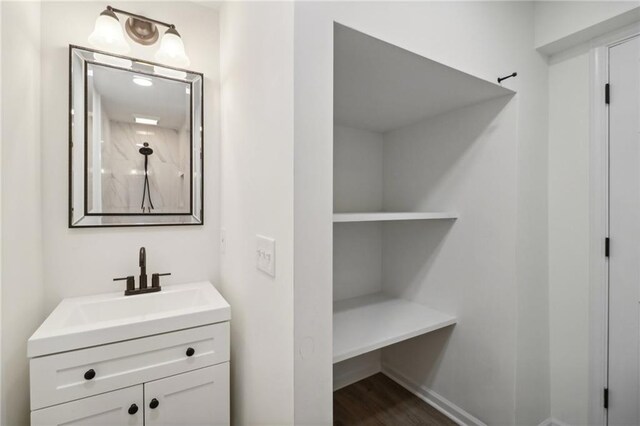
(380, 87)
(363, 324)
(389, 216)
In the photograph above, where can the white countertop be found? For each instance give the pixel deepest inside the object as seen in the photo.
(81, 322)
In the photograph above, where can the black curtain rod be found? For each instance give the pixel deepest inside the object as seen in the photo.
(500, 79)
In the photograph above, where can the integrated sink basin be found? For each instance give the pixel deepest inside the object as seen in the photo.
(80, 322)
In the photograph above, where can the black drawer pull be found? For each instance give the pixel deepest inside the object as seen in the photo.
(133, 409)
(191, 351)
(154, 404)
(90, 374)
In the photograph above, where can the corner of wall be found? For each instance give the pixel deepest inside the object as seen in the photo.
(257, 198)
(532, 371)
(22, 288)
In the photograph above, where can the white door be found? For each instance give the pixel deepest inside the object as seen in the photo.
(624, 231)
(199, 397)
(118, 408)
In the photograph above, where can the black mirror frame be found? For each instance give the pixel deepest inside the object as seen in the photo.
(195, 215)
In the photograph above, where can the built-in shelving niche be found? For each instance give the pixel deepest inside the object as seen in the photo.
(412, 138)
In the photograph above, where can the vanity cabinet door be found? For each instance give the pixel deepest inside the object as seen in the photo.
(123, 407)
(199, 397)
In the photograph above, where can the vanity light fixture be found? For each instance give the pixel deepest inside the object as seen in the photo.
(108, 35)
(142, 81)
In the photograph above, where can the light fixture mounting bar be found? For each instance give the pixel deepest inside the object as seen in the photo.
(140, 17)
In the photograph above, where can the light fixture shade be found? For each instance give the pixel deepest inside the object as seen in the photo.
(171, 50)
(108, 35)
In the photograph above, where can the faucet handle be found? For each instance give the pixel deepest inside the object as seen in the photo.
(155, 279)
(131, 282)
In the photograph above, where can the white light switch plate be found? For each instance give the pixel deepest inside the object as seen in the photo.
(266, 254)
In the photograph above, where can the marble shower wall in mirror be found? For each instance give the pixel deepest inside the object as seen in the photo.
(168, 175)
(117, 181)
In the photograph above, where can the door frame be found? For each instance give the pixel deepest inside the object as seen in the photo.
(599, 218)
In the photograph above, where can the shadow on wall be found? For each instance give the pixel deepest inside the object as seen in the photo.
(426, 162)
(409, 251)
(427, 351)
(463, 161)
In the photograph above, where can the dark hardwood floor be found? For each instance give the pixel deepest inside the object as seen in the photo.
(377, 401)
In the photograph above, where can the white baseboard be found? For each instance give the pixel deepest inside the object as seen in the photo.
(438, 402)
(353, 376)
(553, 422)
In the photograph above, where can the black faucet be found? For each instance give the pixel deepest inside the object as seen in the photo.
(131, 282)
(143, 268)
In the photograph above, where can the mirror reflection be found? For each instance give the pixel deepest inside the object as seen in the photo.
(138, 142)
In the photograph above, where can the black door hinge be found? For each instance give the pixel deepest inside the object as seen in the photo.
(606, 398)
(607, 94)
(607, 244)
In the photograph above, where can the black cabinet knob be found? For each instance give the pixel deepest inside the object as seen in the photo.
(154, 403)
(191, 351)
(133, 409)
(90, 374)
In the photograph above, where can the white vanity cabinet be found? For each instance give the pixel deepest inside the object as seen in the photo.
(176, 376)
(199, 397)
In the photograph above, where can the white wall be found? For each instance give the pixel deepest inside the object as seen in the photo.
(357, 170)
(561, 24)
(357, 247)
(439, 31)
(257, 198)
(47, 261)
(1, 376)
(448, 163)
(22, 275)
(569, 237)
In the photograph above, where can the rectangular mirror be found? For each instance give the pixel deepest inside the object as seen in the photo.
(136, 142)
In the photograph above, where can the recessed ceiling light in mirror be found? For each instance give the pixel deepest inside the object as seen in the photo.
(149, 121)
(142, 81)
